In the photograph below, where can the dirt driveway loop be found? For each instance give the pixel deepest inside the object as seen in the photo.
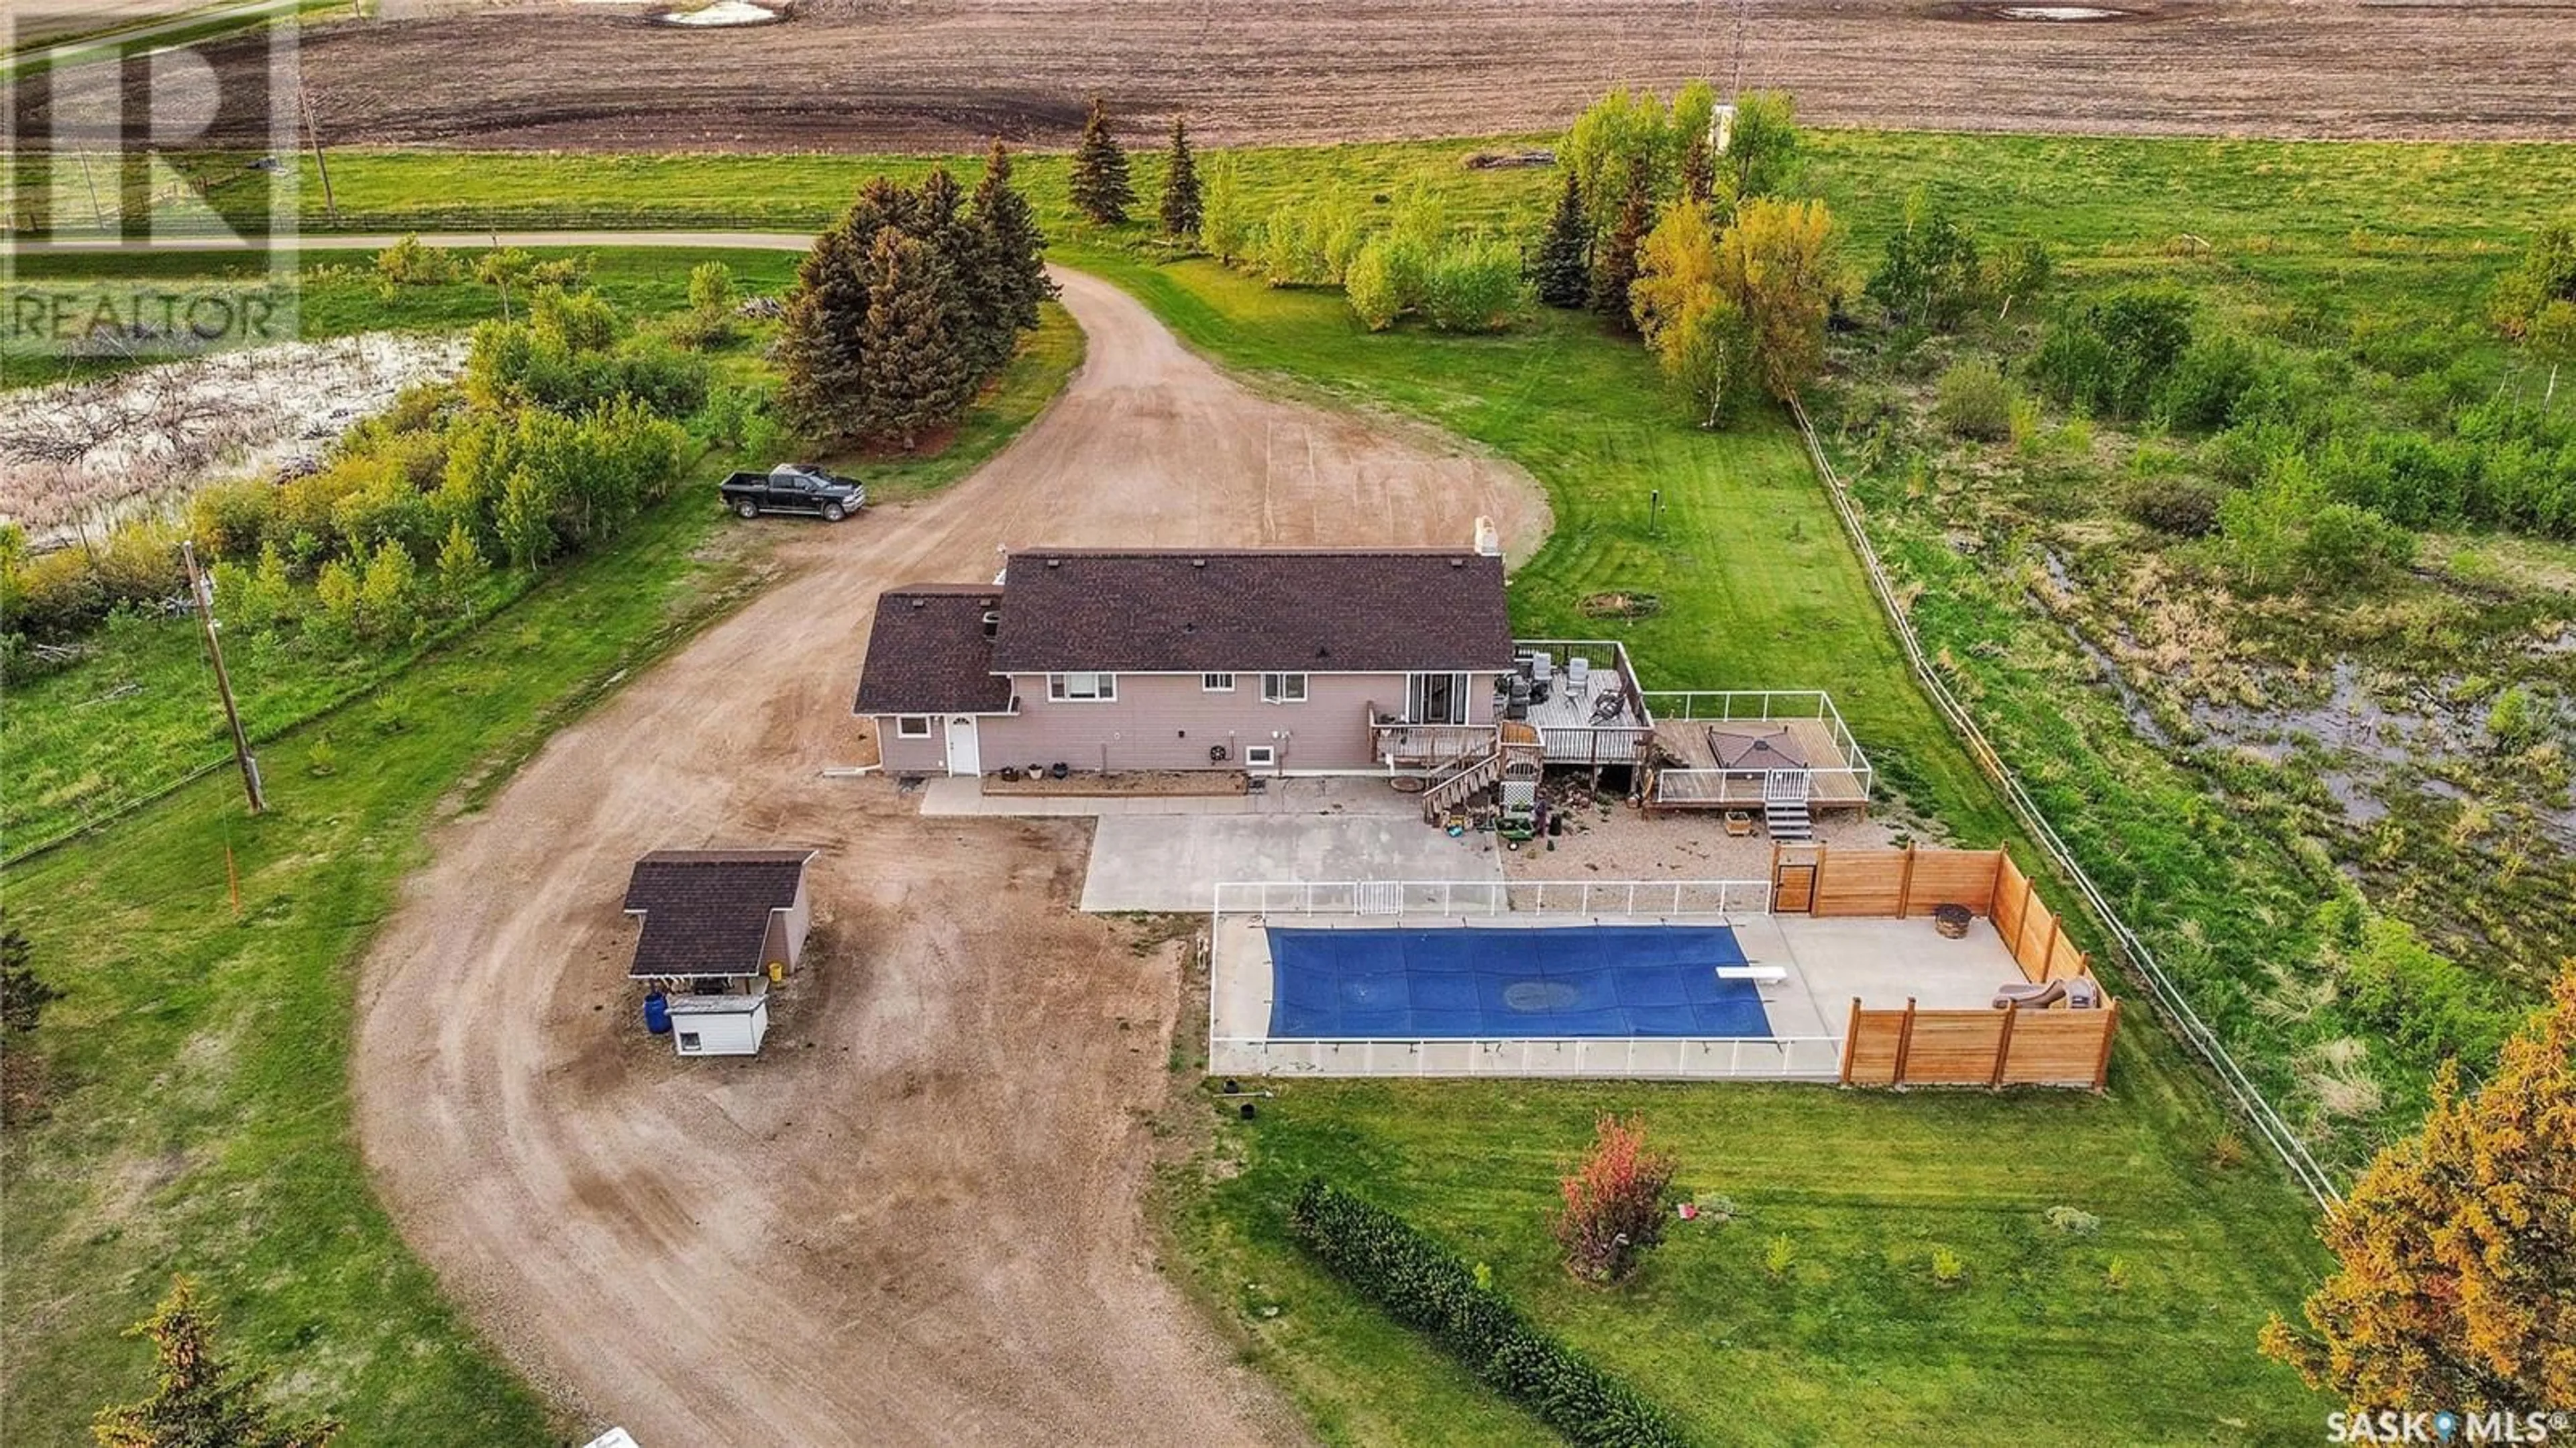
(917, 1217)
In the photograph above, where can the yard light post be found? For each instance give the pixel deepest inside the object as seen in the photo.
(202, 594)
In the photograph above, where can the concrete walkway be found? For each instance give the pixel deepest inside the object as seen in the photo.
(1174, 862)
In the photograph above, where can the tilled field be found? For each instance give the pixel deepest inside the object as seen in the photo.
(944, 74)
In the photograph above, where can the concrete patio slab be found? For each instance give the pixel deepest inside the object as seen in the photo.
(1174, 862)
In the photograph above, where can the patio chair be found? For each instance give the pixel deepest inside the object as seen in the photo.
(1578, 674)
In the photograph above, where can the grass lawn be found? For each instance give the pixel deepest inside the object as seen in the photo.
(1759, 590)
(1855, 1343)
(200, 1118)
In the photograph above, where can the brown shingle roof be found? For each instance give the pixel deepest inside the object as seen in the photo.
(1323, 611)
(928, 654)
(706, 912)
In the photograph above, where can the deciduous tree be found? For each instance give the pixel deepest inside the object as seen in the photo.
(1227, 230)
(1614, 1201)
(1181, 210)
(199, 1400)
(1777, 261)
(1761, 157)
(1101, 189)
(1693, 327)
(1562, 274)
(2457, 1288)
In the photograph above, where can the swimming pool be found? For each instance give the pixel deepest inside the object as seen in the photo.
(1446, 983)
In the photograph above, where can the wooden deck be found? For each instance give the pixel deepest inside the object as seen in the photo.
(1697, 783)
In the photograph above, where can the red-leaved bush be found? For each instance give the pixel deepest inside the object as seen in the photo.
(1615, 1201)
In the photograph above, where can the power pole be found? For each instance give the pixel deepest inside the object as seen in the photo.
(313, 134)
(204, 597)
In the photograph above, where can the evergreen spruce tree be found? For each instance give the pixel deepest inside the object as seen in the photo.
(1181, 211)
(819, 339)
(822, 333)
(1563, 272)
(915, 375)
(1100, 187)
(1009, 263)
(940, 222)
(198, 1400)
(1615, 267)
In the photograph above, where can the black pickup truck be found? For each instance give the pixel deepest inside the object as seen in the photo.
(793, 488)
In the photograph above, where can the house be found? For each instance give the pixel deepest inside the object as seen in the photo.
(1319, 661)
(720, 926)
(1274, 661)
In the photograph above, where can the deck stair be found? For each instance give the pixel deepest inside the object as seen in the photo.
(1461, 779)
(1784, 806)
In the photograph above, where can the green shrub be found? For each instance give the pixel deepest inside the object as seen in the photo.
(1973, 400)
(1376, 293)
(1474, 285)
(1426, 1287)
(1949, 1269)
(407, 263)
(2109, 357)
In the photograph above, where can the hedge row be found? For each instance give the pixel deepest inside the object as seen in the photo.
(1424, 1286)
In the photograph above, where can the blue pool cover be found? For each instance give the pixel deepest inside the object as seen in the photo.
(1475, 982)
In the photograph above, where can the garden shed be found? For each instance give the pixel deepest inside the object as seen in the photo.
(719, 920)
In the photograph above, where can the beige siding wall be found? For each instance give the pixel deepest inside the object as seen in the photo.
(1164, 721)
(899, 755)
(798, 919)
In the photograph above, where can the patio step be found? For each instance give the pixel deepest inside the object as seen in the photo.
(1786, 820)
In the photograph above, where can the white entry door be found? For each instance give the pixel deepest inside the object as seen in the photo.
(963, 755)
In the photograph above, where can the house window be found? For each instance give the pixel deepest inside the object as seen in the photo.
(912, 726)
(1260, 756)
(1083, 688)
(1217, 683)
(1283, 688)
(688, 1040)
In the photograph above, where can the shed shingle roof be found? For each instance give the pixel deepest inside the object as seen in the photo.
(706, 912)
(1315, 610)
(927, 653)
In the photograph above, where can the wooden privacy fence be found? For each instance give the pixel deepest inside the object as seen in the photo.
(2028, 1046)
(1914, 1047)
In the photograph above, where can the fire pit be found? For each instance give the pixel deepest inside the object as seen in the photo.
(1952, 920)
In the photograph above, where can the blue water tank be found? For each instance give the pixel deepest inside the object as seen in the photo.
(657, 1014)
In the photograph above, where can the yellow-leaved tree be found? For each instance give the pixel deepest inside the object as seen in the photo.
(1693, 327)
(1777, 263)
(2457, 1288)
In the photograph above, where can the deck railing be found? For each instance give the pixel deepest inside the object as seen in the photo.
(1722, 706)
(1399, 743)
